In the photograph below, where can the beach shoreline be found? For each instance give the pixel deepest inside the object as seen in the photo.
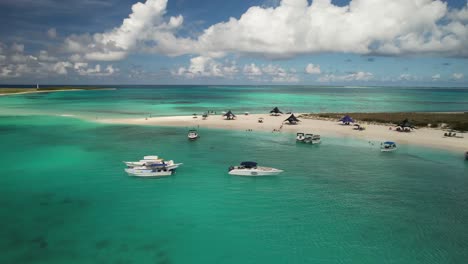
(428, 137)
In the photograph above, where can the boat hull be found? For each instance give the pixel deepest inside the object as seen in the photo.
(387, 150)
(255, 172)
(148, 173)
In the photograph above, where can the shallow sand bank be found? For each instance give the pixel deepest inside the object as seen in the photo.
(429, 137)
(52, 91)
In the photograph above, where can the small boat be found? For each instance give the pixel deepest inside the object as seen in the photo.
(300, 137)
(152, 162)
(250, 168)
(316, 139)
(308, 138)
(193, 134)
(144, 171)
(388, 146)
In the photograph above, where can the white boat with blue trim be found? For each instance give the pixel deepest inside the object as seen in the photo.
(388, 146)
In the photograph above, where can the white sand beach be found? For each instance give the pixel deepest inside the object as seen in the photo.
(429, 137)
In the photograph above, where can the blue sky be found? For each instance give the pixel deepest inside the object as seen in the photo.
(321, 42)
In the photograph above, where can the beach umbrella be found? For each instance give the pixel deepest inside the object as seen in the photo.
(292, 119)
(229, 115)
(275, 111)
(347, 119)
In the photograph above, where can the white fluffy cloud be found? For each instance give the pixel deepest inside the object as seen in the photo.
(292, 28)
(17, 63)
(252, 71)
(52, 33)
(457, 76)
(144, 24)
(313, 69)
(435, 77)
(355, 76)
(206, 67)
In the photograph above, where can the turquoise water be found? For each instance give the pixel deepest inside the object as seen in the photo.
(65, 198)
(138, 101)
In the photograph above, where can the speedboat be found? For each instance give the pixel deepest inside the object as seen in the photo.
(315, 139)
(388, 146)
(300, 137)
(250, 168)
(192, 134)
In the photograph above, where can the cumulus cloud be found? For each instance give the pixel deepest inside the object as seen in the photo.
(17, 48)
(252, 71)
(457, 76)
(436, 77)
(144, 25)
(355, 76)
(206, 67)
(313, 69)
(15, 63)
(52, 33)
(407, 77)
(292, 28)
(280, 75)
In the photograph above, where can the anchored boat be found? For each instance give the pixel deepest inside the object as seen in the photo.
(300, 137)
(193, 134)
(388, 146)
(151, 166)
(250, 168)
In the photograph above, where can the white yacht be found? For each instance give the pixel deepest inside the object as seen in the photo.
(250, 168)
(144, 171)
(193, 134)
(388, 146)
(151, 166)
(300, 137)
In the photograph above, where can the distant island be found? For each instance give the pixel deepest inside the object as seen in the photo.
(48, 89)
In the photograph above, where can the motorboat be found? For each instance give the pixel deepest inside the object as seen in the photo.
(250, 168)
(300, 136)
(316, 139)
(308, 138)
(152, 162)
(193, 134)
(388, 146)
(149, 172)
(312, 139)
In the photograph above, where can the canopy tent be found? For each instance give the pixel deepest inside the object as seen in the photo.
(292, 119)
(347, 119)
(229, 115)
(275, 111)
(405, 125)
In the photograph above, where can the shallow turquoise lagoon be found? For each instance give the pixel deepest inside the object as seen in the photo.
(64, 198)
(138, 101)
